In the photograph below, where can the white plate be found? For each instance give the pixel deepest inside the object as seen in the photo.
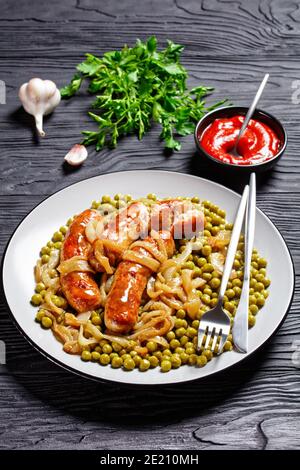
(36, 229)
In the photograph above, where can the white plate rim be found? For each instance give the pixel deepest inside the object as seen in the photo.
(141, 384)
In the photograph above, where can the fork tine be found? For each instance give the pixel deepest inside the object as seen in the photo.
(208, 337)
(214, 343)
(222, 342)
(201, 334)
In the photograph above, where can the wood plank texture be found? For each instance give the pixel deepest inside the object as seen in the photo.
(229, 45)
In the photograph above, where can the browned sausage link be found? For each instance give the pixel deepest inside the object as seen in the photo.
(80, 288)
(130, 280)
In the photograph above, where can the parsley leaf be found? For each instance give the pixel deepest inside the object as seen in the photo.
(135, 87)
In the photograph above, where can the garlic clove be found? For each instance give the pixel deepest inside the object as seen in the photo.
(77, 155)
(39, 97)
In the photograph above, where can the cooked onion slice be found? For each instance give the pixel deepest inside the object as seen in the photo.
(76, 263)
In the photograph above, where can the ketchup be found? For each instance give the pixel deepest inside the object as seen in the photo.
(257, 144)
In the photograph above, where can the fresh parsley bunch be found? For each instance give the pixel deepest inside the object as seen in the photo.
(135, 87)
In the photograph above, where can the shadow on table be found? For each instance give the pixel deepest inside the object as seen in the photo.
(94, 401)
(22, 120)
(235, 180)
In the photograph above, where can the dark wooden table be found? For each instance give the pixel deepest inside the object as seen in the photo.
(229, 45)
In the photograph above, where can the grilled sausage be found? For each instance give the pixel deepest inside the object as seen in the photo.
(130, 280)
(80, 288)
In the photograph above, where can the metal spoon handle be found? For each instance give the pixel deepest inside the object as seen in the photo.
(251, 110)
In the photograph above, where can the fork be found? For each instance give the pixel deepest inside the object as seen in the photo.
(216, 323)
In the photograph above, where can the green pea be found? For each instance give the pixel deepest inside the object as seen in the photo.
(154, 361)
(252, 300)
(228, 346)
(229, 306)
(208, 225)
(215, 283)
(213, 302)
(230, 293)
(117, 362)
(180, 332)
(39, 287)
(195, 199)
(180, 313)
(58, 245)
(45, 250)
(205, 299)
(207, 291)
(45, 259)
(104, 359)
(183, 340)
(158, 354)
(57, 237)
(129, 364)
(215, 230)
(192, 360)
(207, 233)
(201, 360)
(207, 268)
(180, 322)
(237, 290)
(184, 357)
(253, 309)
(251, 320)
(236, 283)
(95, 204)
(86, 356)
(197, 272)
(208, 354)
(191, 332)
(265, 294)
(167, 352)
(144, 365)
(207, 276)
(107, 349)
(262, 262)
(260, 302)
(63, 229)
(152, 196)
(206, 250)
(174, 343)
(170, 335)
(259, 286)
(189, 265)
(40, 314)
(137, 360)
(190, 351)
(165, 366)
(175, 361)
(36, 299)
(95, 356)
(228, 226)
(195, 324)
(96, 320)
(201, 262)
(151, 346)
(116, 347)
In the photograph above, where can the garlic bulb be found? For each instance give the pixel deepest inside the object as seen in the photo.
(39, 97)
(76, 155)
